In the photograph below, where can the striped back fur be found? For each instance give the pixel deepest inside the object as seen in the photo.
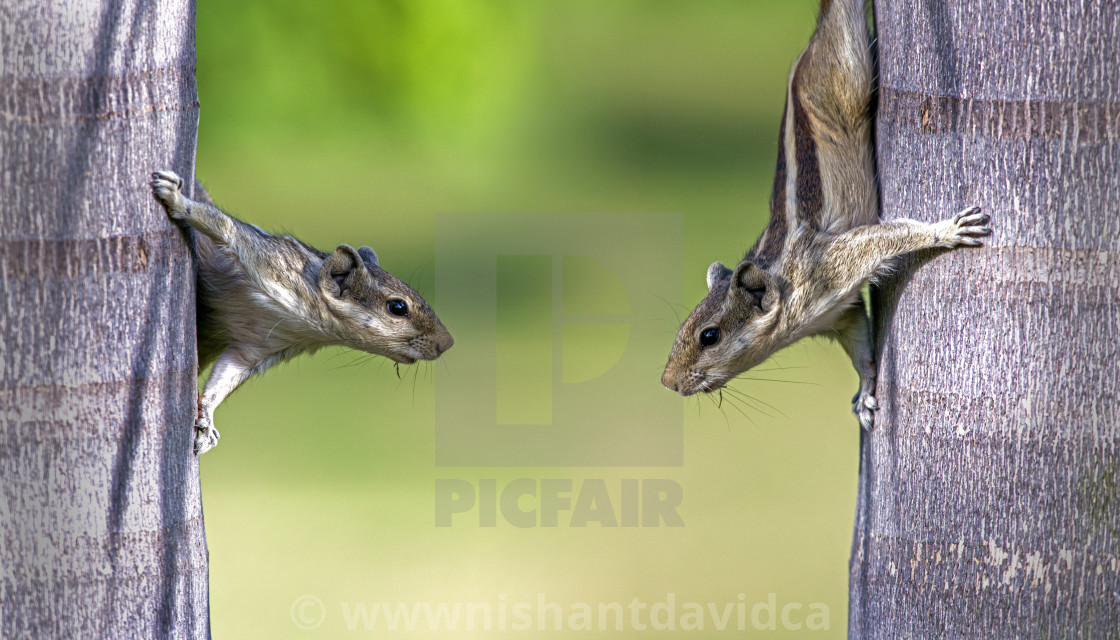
(825, 176)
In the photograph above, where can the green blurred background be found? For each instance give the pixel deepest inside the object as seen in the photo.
(358, 121)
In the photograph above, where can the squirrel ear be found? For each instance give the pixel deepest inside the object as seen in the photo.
(368, 255)
(717, 272)
(752, 281)
(338, 270)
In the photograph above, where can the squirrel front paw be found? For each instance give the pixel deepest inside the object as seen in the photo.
(167, 187)
(966, 228)
(205, 437)
(865, 406)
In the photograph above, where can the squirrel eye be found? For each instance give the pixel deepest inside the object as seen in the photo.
(397, 308)
(709, 336)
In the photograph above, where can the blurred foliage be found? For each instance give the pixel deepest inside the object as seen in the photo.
(358, 121)
(428, 66)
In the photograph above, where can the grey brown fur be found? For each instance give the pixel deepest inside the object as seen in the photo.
(824, 242)
(264, 299)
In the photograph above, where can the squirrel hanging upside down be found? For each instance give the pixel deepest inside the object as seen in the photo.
(824, 242)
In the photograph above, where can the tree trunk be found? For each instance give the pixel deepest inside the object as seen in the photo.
(100, 510)
(989, 492)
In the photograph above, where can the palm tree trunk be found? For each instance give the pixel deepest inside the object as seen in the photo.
(989, 495)
(101, 529)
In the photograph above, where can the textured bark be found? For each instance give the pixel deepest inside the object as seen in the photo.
(101, 530)
(989, 497)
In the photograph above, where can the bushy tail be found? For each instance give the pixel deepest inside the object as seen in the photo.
(836, 76)
(827, 146)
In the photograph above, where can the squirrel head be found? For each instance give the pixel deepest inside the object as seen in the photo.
(374, 311)
(730, 331)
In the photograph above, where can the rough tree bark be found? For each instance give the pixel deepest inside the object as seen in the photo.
(989, 495)
(101, 531)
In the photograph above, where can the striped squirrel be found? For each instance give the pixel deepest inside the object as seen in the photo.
(824, 242)
(263, 299)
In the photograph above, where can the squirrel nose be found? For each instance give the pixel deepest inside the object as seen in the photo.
(444, 341)
(669, 381)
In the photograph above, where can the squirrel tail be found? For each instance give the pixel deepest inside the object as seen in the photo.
(826, 169)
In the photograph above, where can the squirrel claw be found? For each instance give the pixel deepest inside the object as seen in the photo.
(169, 176)
(205, 439)
(864, 406)
(966, 228)
(967, 212)
(167, 188)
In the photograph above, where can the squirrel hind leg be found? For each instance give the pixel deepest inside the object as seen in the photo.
(229, 372)
(853, 331)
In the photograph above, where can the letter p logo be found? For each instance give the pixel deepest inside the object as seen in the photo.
(561, 320)
(561, 333)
